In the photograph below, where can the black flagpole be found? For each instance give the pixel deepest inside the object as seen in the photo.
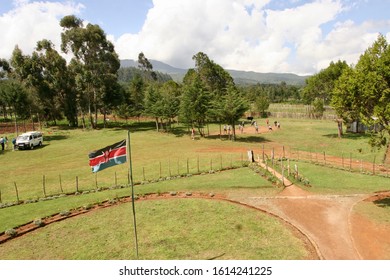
(132, 190)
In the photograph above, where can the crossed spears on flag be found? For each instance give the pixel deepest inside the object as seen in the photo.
(115, 154)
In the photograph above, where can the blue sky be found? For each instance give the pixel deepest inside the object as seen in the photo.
(298, 36)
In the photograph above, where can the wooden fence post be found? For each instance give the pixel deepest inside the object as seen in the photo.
(96, 181)
(197, 163)
(1, 201)
(44, 185)
(373, 166)
(160, 170)
(178, 167)
(143, 173)
(282, 172)
(288, 167)
(17, 193)
(188, 167)
(263, 154)
(59, 177)
(77, 183)
(350, 161)
(324, 158)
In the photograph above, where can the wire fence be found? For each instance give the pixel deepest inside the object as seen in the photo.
(55, 186)
(344, 161)
(300, 111)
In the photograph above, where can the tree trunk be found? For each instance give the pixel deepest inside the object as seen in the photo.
(157, 126)
(340, 128)
(105, 116)
(16, 124)
(95, 108)
(386, 157)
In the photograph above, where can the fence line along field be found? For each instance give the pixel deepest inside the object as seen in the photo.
(61, 165)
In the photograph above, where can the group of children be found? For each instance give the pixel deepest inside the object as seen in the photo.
(227, 128)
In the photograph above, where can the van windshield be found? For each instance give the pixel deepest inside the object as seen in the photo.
(22, 137)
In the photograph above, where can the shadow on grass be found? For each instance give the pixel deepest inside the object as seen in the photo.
(248, 139)
(49, 138)
(384, 203)
(349, 136)
(253, 188)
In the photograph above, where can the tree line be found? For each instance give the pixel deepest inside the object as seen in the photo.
(46, 87)
(358, 92)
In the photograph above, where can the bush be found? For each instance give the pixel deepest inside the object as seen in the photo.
(11, 232)
(39, 222)
(65, 213)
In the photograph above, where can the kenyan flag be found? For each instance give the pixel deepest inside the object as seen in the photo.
(108, 156)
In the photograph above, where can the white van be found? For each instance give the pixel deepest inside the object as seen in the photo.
(29, 140)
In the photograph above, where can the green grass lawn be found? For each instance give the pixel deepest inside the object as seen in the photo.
(334, 181)
(65, 155)
(186, 229)
(238, 180)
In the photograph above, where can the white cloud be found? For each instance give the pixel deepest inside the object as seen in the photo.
(29, 22)
(265, 40)
(253, 35)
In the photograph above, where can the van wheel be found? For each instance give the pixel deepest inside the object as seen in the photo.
(40, 144)
(32, 147)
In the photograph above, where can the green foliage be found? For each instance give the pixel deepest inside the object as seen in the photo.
(95, 63)
(11, 232)
(321, 85)
(194, 104)
(38, 222)
(262, 103)
(363, 92)
(14, 97)
(230, 107)
(318, 108)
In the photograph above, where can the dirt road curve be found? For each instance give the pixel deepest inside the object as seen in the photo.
(325, 220)
(329, 222)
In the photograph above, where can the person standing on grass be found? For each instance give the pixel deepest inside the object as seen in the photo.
(2, 143)
(6, 142)
(14, 143)
(193, 134)
(241, 128)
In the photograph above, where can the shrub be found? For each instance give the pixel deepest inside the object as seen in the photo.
(11, 232)
(65, 213)
(39, 222)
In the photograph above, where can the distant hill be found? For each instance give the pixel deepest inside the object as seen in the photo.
(240, 77)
